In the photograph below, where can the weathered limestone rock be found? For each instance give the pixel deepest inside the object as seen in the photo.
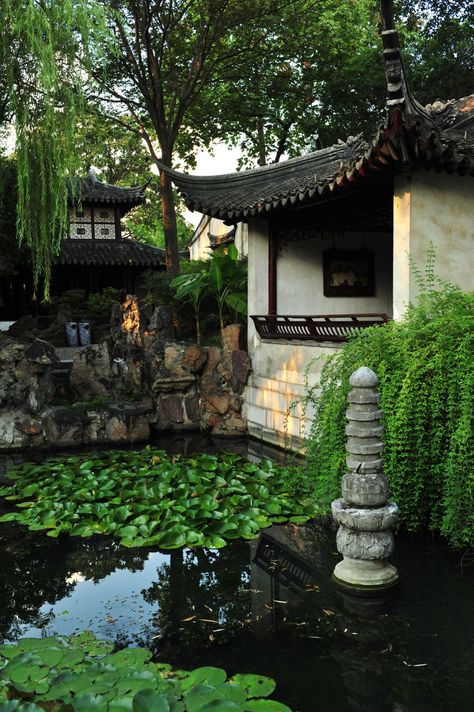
(10, 435)
(180, 386)
(217, 401)
(161, 321)
(91, 373)
(41, 352)
(25, 327)
(131, 323)
(232, 338)
(127, 425)
(364, 513)
(241, 368)
(214, 356)
(62, 427)
(194, 358)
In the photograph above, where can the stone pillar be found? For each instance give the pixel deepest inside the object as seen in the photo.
(364, 513)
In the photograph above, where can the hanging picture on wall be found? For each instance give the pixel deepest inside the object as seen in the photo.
(348, 273)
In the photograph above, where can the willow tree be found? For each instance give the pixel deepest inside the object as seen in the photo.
(41, 42)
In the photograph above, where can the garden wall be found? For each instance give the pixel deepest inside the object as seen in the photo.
(137, 381)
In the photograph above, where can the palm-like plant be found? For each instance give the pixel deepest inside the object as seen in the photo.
(191, 288)
(227, 280)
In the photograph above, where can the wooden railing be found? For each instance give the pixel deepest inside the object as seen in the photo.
(319, 327)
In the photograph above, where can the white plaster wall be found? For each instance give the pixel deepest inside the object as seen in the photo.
(278, 376)
(300, 277)
(282, 373)
(432, 208)
(200, 248)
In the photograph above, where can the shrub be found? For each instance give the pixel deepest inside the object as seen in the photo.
(424, 364)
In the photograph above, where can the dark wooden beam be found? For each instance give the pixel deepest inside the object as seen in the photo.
(272, 272)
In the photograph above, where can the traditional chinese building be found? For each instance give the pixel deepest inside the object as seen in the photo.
(94, 254)
(212, 233)
(336, 236)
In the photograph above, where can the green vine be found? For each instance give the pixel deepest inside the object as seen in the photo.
(426, 372)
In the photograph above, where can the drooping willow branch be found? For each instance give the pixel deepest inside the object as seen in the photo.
(39, 41)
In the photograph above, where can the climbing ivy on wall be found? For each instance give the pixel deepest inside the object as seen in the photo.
(426, 372)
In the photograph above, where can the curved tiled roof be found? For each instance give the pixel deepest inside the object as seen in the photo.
(119, 253)
(438, 136)
(240, 194)
(90, 189)
(261, 190)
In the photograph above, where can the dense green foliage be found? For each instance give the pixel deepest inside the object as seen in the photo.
(224, 277)
(81, 673)
(10, 253)
(149, 498)
(426, 371)
(39, 46)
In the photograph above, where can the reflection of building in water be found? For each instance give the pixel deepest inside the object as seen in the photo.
(278, 573)
(290, 584)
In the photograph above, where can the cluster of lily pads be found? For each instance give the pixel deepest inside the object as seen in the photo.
(149, 498)
(81, 673)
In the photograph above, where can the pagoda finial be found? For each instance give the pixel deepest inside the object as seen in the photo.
(398, 92)
(386, 9)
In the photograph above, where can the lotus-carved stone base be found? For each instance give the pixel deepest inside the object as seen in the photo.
(365, 576)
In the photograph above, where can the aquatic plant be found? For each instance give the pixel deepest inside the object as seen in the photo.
(149, 498)
(82, 673)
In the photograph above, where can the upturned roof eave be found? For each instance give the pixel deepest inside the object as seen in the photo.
(411, 136)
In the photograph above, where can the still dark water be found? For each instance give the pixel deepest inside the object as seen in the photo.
(267, 606)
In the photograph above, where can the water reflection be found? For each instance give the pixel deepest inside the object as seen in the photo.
(268, 606)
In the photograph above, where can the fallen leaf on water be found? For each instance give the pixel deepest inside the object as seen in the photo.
(207, 620)
(275, 600)
(189, 618)
(414, 664)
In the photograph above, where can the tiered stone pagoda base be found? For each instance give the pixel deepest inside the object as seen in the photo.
(365, 577)
(364, 513)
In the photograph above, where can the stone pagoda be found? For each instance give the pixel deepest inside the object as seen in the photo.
(364, 513)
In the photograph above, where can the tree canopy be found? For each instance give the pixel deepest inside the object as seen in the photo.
(275, 77)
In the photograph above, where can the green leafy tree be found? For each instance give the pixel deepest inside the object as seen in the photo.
(315, 80)
(122, 159)
(438, 42)
(164, 59)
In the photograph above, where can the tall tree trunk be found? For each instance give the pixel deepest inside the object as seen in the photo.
(169, 218)
(262, 149)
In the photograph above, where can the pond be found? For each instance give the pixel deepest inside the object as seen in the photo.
(267, 606)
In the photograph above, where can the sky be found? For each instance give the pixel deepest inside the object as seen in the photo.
(224, 160)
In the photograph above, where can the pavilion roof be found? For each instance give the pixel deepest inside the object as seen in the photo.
(110, 253)
(90, 190)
